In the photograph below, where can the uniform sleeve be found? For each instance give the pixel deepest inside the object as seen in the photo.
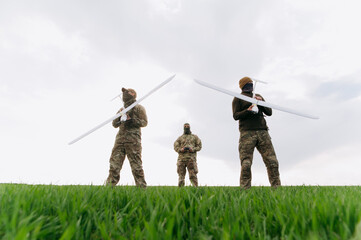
(265, 110)
(116, 122)
(177, 145)
(139, 117)
(198, 144)
(239, 114)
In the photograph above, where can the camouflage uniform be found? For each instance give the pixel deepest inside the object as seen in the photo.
(128, 143)
(187, 159)
(254, 134)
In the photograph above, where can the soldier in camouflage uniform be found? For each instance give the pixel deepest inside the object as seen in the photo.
(187, 147)
(254, 134)
(128, 141)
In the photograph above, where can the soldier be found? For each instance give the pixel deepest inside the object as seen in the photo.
(128, 141)
(254, 134)
(187, 147)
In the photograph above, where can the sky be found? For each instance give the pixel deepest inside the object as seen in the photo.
(62, 61)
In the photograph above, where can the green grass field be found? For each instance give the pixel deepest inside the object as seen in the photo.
(126, 212)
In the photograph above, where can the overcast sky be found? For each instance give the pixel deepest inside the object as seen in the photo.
(62, 61)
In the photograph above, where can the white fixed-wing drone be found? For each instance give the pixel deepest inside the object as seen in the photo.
(118, 96)
(122, 113)
(255, 101)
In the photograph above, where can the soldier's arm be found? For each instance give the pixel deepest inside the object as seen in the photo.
(116, 122)
(139, 117)
(238, 113)
(198, 144)
(265, 110)
(177, 146)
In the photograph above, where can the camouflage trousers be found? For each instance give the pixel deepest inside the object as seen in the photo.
(261, 140)
(191, 165)
(134, 153)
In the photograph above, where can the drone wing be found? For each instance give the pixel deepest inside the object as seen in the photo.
(255, 101)
(123, 111)
(118, 96)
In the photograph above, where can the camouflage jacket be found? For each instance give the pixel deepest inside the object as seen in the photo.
(129, 131)
(191, 141)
